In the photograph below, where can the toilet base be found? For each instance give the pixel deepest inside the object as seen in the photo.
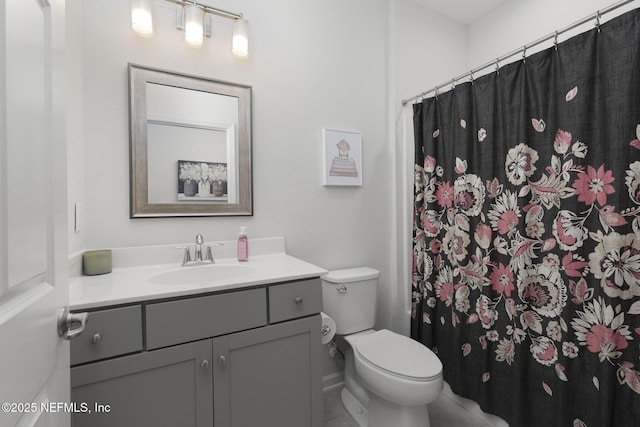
(383, 413)
(354, 408)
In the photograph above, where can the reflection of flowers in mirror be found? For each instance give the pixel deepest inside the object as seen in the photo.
(189, 172)
(216, 172)
(202, 172)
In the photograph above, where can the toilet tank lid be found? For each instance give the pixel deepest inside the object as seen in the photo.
(349, 275)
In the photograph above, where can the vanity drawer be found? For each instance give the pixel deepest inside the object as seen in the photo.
(179, 321)
(295, 299)
(108, 333)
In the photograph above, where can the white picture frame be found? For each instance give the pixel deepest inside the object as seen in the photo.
(342, 158)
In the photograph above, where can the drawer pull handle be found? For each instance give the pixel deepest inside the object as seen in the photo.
(222, 360)
(342, 289)
(205, 364)
(96, 339)
(298, 300)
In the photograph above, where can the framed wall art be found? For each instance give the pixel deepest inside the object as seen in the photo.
(342, 157)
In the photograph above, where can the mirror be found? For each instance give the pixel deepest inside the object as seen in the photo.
(190, 145)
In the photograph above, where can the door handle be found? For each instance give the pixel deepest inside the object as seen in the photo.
(70, 325)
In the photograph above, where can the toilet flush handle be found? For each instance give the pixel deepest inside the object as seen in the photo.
(342, 289)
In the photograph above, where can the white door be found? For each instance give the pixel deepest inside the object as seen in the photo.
(34, 361)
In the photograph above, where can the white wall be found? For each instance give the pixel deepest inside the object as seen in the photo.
(427, 49)
(311, 66)
(519, 22)
(75, 145)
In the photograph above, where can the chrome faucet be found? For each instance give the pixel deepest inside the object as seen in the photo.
(197, 255)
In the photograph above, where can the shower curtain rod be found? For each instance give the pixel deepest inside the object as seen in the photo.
(523, 49)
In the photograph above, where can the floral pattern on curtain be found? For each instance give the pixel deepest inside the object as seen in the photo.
(526, 269)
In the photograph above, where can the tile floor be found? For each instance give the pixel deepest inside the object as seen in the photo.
(448, 411)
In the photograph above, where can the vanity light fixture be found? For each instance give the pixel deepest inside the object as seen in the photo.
(142, 17)
(193, 24)
(194, 18)
(240, 43)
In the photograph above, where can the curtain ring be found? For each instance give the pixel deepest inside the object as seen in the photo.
(498, 65)
(555, 40)
(437, 93)
(471, 76)
(598, 20)
(524, 53)
(453, 83)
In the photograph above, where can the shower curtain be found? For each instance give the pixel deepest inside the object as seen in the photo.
(526, 268)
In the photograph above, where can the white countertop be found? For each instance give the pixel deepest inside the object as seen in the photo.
(128, 281)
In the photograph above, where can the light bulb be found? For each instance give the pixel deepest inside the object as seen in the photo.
(142, 17)
(193, 25)
(240, 42)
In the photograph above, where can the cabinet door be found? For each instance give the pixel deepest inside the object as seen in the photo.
(169, 387)
(269, 377)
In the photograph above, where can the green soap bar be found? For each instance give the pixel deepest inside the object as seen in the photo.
(96, 262)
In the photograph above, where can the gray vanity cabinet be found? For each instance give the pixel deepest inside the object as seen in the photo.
(269, 377)
(245, 358)
(166, 387)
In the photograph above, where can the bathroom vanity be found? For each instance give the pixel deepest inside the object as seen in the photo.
(240, 351)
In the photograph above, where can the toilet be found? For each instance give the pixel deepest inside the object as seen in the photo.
(389, 378)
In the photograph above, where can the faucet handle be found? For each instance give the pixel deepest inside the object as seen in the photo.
(199, 239)
(209, 255)
(187, 253)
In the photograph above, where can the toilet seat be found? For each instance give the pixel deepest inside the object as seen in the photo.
(399, 356)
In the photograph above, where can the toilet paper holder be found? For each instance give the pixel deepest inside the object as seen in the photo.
(326, 330)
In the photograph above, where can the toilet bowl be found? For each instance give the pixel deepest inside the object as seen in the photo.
(389, 378)
(397, 368)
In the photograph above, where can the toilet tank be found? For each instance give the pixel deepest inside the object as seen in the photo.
(349, 297)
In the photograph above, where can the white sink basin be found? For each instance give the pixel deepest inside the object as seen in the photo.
(200, 275)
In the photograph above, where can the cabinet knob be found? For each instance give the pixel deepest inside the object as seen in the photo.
(222, 360)
(298, 300)
(96, 338)
(205, 364)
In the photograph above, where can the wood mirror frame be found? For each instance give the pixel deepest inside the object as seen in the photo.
(236, 134)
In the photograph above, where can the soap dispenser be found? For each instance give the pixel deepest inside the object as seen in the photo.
(243, 245)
